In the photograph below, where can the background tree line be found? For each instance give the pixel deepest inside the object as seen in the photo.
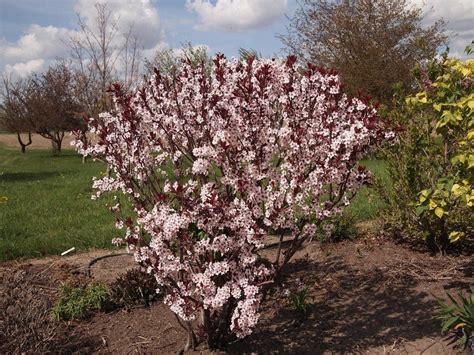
(57, 101)
(373, 44)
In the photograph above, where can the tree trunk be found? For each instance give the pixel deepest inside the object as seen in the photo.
(57, 142)
(23, 144)
(54, 147)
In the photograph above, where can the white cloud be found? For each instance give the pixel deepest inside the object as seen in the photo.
(460, 17)
(139, 14)
(150, 52)
(37, 41)
(236, 15)
(23, 69)
(41, 45)
(37, 46)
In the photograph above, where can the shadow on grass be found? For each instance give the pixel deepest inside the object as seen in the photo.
(354, 310)
(65, 154)
(27, 176)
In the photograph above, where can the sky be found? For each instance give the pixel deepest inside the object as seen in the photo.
(33, 33)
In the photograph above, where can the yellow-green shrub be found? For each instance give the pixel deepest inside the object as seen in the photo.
(432, 162)
(451, 97)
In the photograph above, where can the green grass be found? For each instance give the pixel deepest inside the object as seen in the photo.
(49, 208)
(367, 204)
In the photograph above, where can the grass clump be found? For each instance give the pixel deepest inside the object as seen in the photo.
(80, 302)
(299, 301)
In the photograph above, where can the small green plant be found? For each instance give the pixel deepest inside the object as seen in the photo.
(135, 287)
(80, 302)
(458, 318)
(338, 228)
(299, 300)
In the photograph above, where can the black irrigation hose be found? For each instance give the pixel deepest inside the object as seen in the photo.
(93, 261)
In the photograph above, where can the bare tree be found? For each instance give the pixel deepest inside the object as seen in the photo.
(13, 114)
(104, 55)
(374, 44)
(130, 59)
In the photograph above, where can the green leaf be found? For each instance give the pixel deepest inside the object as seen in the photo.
(455, 235)
(419, 210)
(457, 190)
(470, 161)
(449, 323)
(421, 96)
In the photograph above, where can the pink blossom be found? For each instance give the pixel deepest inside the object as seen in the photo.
(212, 164)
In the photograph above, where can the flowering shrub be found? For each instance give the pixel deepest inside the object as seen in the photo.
(214, 164)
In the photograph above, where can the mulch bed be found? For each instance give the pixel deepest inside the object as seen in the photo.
(366, 296)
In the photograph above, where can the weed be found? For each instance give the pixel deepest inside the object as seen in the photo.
(80, 302)
(299, 299)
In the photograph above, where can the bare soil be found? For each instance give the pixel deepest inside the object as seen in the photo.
(38, 142)
(366, 296)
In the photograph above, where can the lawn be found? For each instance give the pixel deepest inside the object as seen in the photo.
(46, 206)
(367, 204)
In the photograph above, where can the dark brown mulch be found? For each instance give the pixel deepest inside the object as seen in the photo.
(26, 296)
(368, 295)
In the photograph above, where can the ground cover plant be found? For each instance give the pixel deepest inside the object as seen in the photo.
(215, 163)
(134, 288)
(46, 205)
(457, 317)
(76, 302)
